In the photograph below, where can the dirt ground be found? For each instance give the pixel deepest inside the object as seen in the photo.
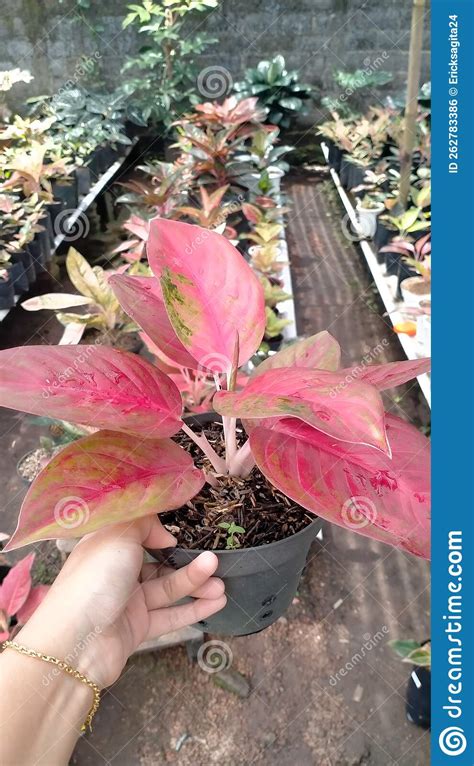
(318, 695)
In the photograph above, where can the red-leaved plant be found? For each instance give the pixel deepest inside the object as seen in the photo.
(318, 433)
(18, 597)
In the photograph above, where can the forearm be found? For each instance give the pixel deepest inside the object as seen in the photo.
(42, 710)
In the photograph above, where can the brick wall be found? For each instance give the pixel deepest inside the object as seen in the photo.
(316, 36)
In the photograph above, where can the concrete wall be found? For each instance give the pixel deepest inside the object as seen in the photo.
(48, 37)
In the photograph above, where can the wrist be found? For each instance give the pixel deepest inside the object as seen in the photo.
(63, 634)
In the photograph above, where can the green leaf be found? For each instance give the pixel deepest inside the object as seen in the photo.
(403, 647)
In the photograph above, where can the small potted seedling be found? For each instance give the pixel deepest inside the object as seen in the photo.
(296, 443)
(370, 202)
(418, 694)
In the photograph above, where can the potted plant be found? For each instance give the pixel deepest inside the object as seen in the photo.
(278, 90)
(311, 437)
(104, 311)
(408, 225)
(418, 694)
(417, 289)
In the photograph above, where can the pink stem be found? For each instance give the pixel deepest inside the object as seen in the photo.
(242, 462)
(217, 463)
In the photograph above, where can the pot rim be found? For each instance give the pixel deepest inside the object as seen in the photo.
(245, 550)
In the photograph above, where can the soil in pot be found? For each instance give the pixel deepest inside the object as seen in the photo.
(262, 574)
(124, 341)
(415, 289)
(33, 462)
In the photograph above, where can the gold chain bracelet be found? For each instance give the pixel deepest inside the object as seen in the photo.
(67, 669)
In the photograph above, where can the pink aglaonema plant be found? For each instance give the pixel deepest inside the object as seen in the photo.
(318, 433)
(18, 597)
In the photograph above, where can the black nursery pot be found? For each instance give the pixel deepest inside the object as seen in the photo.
(260, 583)
(45, 222)
(418, 697)
(25, 258)
(335, 157)
(83, 175)
(19, 277)
(38, 256)
(345, 170)
(7, 290)
(54, 209)
(66, 192)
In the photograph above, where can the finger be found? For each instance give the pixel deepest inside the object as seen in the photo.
(181, 582)
(172, 618)
(213, 588)
(155, 535)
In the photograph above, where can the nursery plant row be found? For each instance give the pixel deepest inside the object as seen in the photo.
(394, 234)
(414, 346)
(29, 239)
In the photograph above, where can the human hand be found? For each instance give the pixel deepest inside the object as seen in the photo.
(104, 602)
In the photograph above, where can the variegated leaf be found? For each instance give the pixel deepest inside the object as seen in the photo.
(104, 479)
(92, 385)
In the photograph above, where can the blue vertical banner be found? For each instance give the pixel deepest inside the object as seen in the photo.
(452, 734)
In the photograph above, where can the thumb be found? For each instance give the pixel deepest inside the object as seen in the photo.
(156, 536)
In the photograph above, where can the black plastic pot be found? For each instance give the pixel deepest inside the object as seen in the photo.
(335, 157)
(418, 697)
(260, 582)
(39, 260)
(54, 209)
(46, 223)
(83, 175)
(20, 279)
(106, 157)
(381, 238)
(356, 175)
(44, 240)
(345, 172)
(24, 257)
(66, 192)
(7, 292)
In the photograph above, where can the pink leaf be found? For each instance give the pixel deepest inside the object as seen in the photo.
(210, 292)
(138, 226)
(320, 352)
(16, 586)
(353, 486)
(104, 479)
(31, 604)
(142, 299)
(92, 385)
(388, 375)
(352, 413)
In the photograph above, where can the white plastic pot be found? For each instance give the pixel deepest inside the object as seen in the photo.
(367, 219)
(414, 290)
